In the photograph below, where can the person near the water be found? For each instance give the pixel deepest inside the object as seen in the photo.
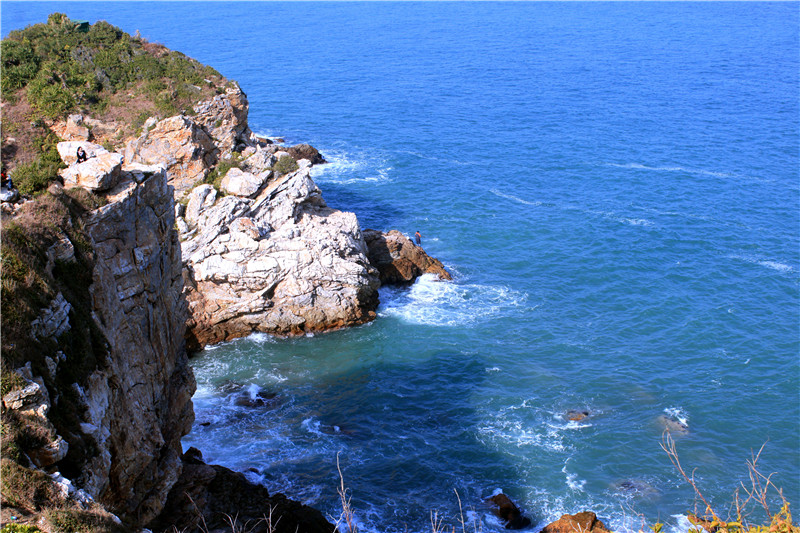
(81, 154)
(418, 238)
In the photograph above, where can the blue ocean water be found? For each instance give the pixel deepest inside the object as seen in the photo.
(615, 187)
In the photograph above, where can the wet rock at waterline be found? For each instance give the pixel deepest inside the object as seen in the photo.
(398, 259)
(673, 425)
(506, 510)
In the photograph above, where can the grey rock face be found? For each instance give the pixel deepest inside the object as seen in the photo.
(281, 263)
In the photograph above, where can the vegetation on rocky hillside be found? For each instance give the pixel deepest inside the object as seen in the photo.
(51, 70)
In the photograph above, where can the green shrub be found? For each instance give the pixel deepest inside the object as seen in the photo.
(285, 165)
(50, 98)
(36, 176)
(19, 528)
(19, 65)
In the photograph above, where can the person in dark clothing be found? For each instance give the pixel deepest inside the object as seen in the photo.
(418, 238)
(81, 155)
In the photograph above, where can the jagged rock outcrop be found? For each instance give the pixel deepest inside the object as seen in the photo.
(52, 320)
(585, 521)
(224, 118)
(220, 492)
(180, 145)
(398, 259)
(138, 406)
(282, 263)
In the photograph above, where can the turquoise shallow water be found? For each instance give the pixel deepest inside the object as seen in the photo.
(615, 187)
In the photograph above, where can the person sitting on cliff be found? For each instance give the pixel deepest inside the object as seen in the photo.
(418, 238)
(81, 155)
(6, 182)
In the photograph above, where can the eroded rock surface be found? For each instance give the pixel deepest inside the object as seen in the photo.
(180, 145)
(224, 118)
(282, 263)
(138, 406)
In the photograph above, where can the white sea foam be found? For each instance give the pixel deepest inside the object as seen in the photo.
(345, 168)
(636, 221)
(693, 171)
(438, 303)
(678, 414)
(572, 480)
(700, 172)
(503, 432)
(261, 338)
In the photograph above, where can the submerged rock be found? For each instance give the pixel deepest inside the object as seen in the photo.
(634, 487)
(398, 259)
(576, 415)
(585, 522)
(673, 425)
(506, 510)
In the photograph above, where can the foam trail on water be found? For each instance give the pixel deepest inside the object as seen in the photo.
(774, 265)
(513, 198)
(693, 171)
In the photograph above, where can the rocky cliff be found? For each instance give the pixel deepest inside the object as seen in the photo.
(195, 222)
(130, 405)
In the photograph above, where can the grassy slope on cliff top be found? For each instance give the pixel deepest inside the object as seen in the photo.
(52, 70)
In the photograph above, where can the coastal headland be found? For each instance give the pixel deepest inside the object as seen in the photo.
(128, 242)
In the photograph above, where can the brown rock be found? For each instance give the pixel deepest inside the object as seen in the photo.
(507, 511)
(306, 151)
(584, 522)
(72, 129)
(398, 259)
(576, 415)
(181, 146)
